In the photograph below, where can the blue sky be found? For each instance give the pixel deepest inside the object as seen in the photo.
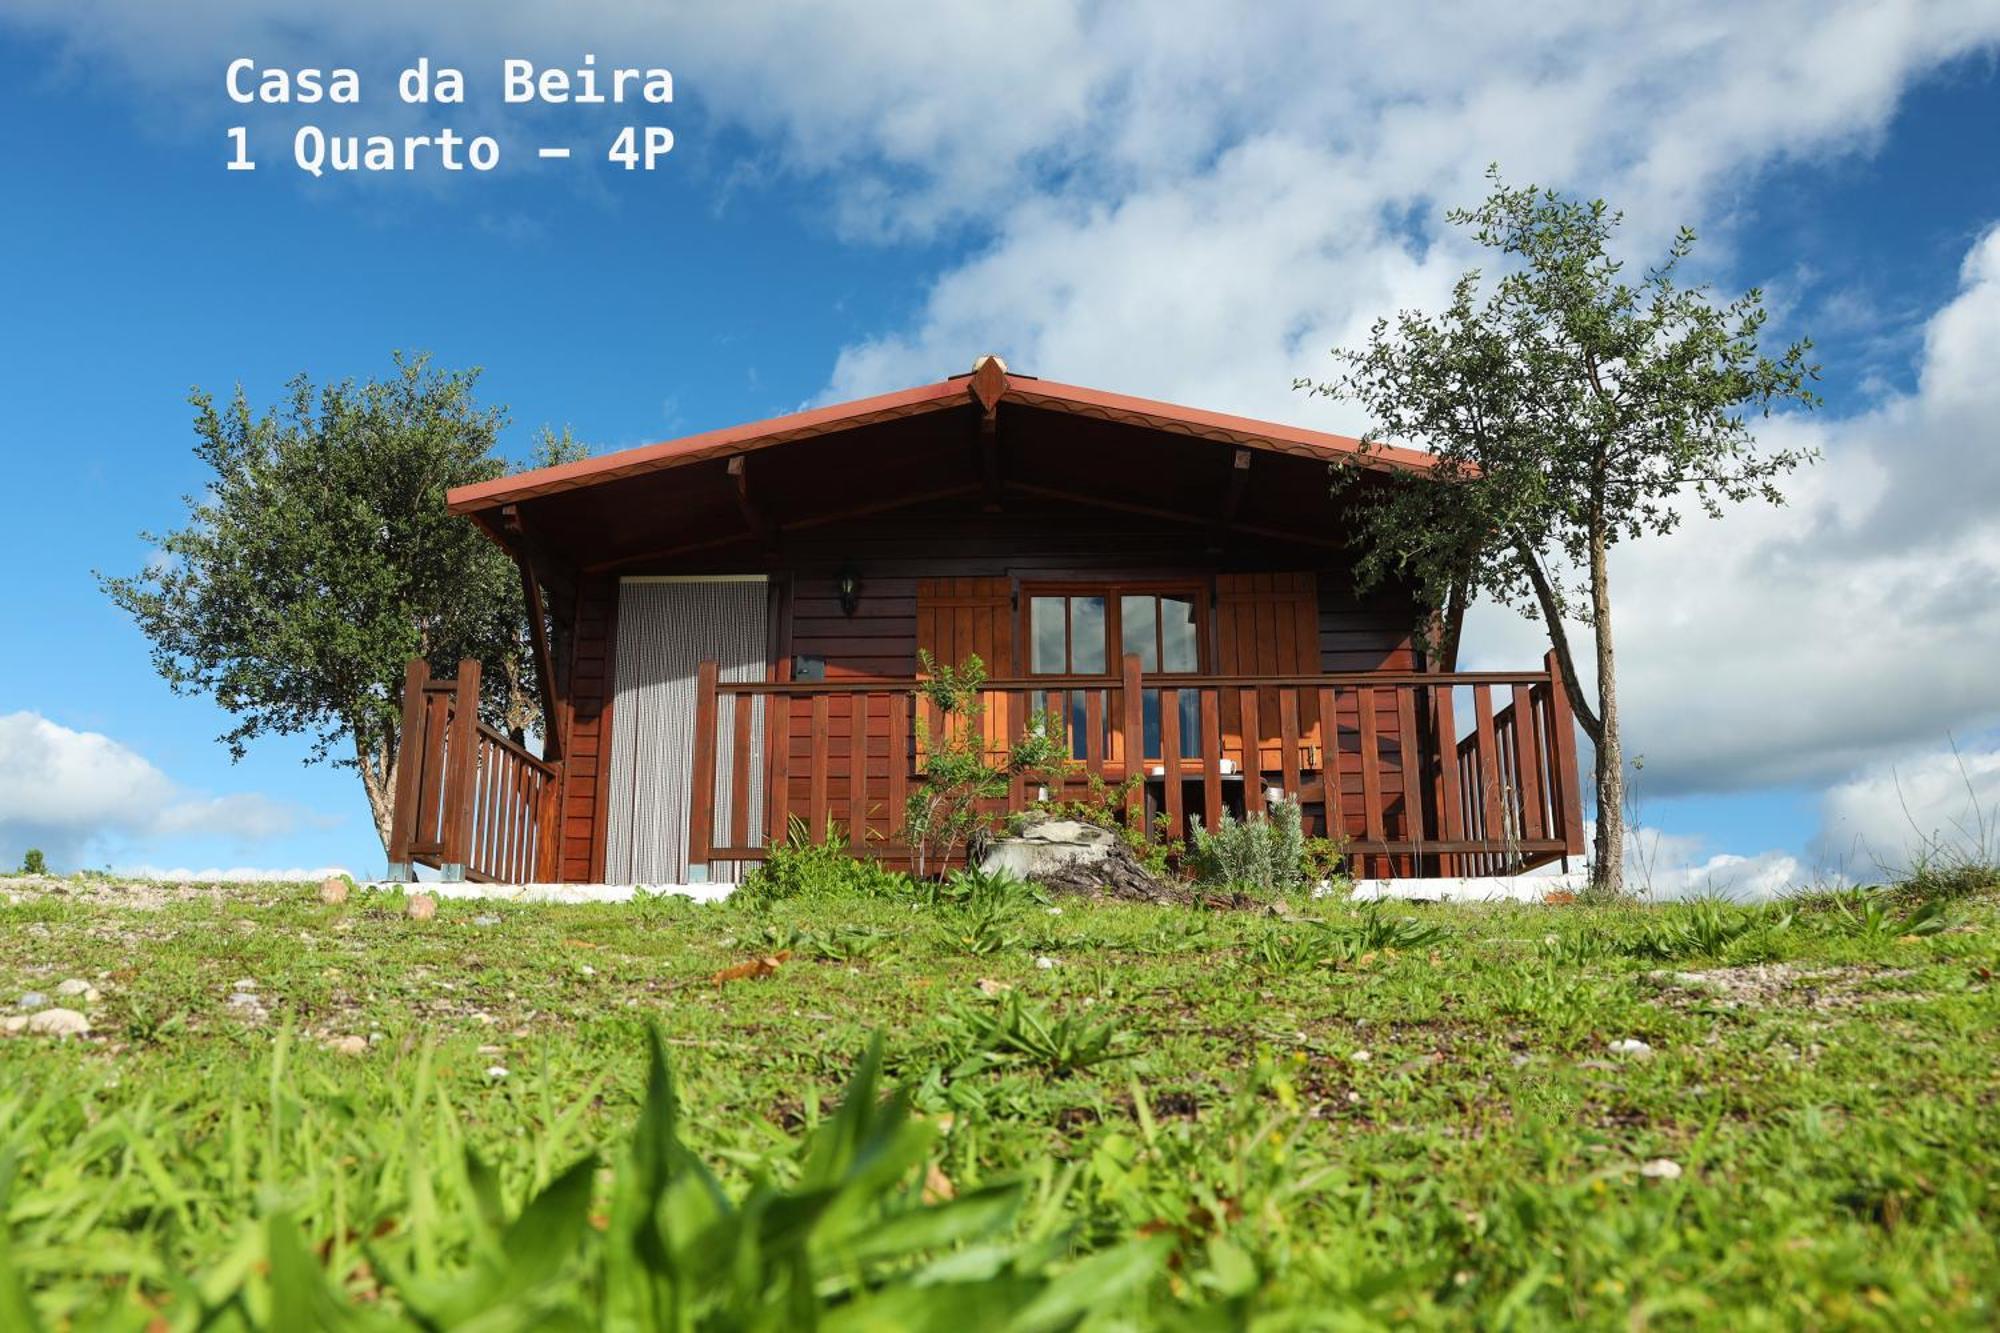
(1153, 212)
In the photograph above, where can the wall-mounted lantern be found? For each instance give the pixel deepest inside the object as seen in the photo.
(848, 584)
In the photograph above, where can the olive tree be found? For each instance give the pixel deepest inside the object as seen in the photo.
(319, 558)
(1568, 407)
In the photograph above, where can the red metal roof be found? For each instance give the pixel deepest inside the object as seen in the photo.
(1148, 413)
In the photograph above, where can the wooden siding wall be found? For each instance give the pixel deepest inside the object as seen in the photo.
(972, 559)
(586, 758)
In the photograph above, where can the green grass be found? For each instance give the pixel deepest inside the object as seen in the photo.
(1411, 1116)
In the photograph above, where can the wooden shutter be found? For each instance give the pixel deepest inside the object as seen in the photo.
(1267, 625)
(957, 618)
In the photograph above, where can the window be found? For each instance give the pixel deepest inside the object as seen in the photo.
(1072, 631)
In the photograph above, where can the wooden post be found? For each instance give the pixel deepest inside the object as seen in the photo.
(1562, 737)
(701, 797)
(1527, 763)
(1170, 758)
(409, 771)
(1134, 729)
(461, 771)
(1211, 756)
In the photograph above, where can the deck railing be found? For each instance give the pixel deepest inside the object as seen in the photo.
(470, 802)
(1374, 759)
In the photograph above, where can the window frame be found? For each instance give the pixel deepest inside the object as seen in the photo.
(1114, 591)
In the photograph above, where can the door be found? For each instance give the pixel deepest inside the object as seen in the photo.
(666, 628)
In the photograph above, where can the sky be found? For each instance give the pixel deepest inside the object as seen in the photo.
(1182, 201)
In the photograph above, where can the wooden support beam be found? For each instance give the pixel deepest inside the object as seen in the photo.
(1232, 497)
(754, 516)
(558, 579)
(545, 667)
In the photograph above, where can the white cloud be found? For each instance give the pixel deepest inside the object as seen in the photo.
(1944, 804)
(69, 792)
(228, 874)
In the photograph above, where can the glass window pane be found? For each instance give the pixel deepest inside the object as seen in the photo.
(1177, 634)
(1086, 634)
(1137, 617)
(1149, 715)
(1045, 616)
(1079, 730)
(1190, 724)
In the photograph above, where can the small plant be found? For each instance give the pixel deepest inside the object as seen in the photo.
(34, 863)
(1264, 854)
(980, 929)
(1022, 1031)
(800, 867)
(947, 811)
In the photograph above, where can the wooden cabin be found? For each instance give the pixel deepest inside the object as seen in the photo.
(734, 621)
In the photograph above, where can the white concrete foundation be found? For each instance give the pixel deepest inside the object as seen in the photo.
(1469, 889)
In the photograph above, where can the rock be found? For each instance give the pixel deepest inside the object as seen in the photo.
(243, 983)
(422, 907)
(333, 890)
(58, 1023)
(992, 989)
(496, 1072)
(1661, 1168)
(1045, 962)
(78, 986)
(349, 1045)
(34, 999)
(1361, 1057)
(492, 1050)
(486, 919)
(1069, 856)
(1633, 1047)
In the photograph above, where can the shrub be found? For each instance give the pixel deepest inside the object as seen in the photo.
(34, 863)
(798, 867)
(1263, 853)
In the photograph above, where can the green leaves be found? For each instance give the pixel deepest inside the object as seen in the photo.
(319, 558)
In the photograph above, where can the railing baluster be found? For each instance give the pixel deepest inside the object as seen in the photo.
(1371, 765)
(1134, 737)
(1211, 756)
(1492, 821)
(739, 776)
(1562, 738)
(821, 734)
(899, 762)
(1329, 764)
(1170, 760)
(1451, 815)
(701, 800)
(1527, 772)
(857, 770)
(1288, 741)
(778, 787)
(1411, 760)
(1253, 751)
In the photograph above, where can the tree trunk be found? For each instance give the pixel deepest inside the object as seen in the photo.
(1607, 872)
(378, 779)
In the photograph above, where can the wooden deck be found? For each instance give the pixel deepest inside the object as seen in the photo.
(1419, 773)
(1359, 752)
